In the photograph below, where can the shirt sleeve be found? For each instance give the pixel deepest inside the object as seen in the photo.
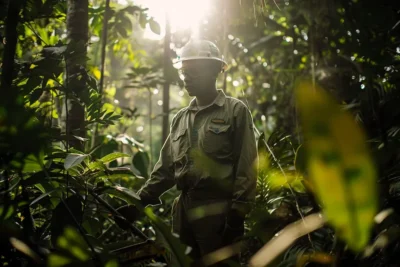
(245, 152)
(161, 178)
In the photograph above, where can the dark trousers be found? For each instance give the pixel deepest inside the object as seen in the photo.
(200, 220)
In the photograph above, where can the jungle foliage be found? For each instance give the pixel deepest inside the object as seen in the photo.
(71, 162)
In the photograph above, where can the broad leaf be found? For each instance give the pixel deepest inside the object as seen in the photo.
(113, 156)
(117, 173)
(155, 27)
(81, 138)
(33, 163)
(72, 249)
(73, 160)
(339, 165)
(97, 165)
(36, 200)
(141, 163)
(124, 193)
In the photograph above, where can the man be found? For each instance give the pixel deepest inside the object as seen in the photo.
(209, 154)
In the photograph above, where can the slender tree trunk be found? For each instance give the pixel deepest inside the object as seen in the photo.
(77, 32)
(3, 9)
(151, 127)
(225, 40)
(7, 75)
(167, 41)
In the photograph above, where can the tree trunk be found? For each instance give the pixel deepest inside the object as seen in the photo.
(7, 75)
(77, 33)
(167, 59)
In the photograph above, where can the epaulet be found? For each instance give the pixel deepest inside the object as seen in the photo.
(178, 115)
(236, 101)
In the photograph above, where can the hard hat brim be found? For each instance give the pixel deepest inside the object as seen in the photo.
(178, 63)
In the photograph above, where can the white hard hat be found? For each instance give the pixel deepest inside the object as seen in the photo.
(199, 49)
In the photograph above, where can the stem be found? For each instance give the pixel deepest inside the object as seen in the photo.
(150, 128)
(6, 202)
(103, 46)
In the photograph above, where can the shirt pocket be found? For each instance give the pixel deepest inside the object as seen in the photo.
(217, 139)
(179, 144)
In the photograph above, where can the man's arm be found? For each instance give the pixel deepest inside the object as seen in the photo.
(245, 151)
(161, 178)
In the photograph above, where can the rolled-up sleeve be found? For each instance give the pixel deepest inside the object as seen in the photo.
(245, 152)
(161, 178)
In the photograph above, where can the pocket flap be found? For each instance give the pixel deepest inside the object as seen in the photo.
(178, 134)
(218, 128)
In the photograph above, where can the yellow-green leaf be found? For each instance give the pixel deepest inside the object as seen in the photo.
(277, 180)
(339, 165)
(113, 156)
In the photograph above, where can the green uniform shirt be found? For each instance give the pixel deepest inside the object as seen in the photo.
(214, 152)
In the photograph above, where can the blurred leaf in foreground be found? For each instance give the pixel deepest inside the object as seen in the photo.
(72, 249)
(339, 165)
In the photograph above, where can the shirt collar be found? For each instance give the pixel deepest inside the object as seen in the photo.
(219, 100)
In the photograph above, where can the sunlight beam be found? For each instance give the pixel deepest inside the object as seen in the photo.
(183, 14)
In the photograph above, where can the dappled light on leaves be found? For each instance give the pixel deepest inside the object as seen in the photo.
(278, 180)
(340, 167)
(72, 249)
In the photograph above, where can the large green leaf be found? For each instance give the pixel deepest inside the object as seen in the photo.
(92, 225)
(6, 211)
(33, 163)
(72, 250)
(97, 165)
(339, 164)
(124, 193)
(141, 163)
(36, 200)
(116, 173)
(73, 160)
(154, 26)
(113, 156)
